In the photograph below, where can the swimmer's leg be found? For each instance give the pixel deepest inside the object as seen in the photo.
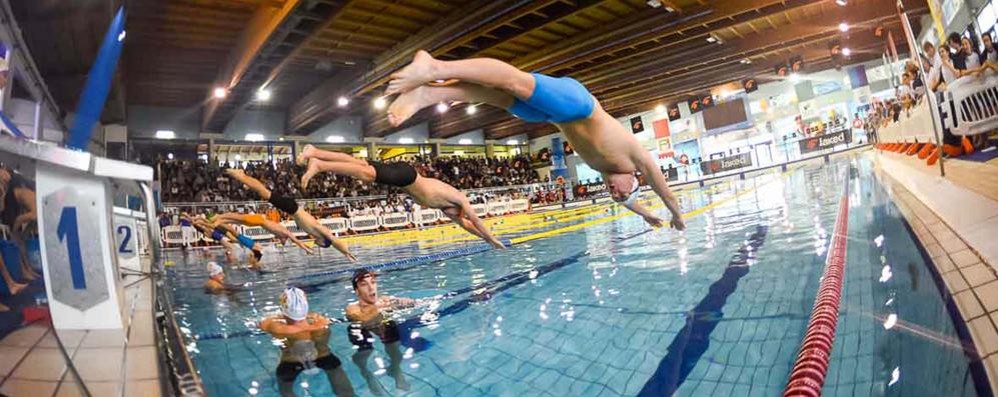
(363, 172)
(312, 152)
(339, 381)
(13, 286)
(482, 71)
(250, 182)
(421, 97)
(287, 389)
(394, 351)
(360, 358)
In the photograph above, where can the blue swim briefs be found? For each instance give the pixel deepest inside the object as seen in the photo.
(555, 100)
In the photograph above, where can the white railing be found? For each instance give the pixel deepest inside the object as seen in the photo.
(257, 233)
(970, 106)
(294, 229)
(365, 223)
(180, 235)
(480, 209)
(336, 225)
(497, 207)
(912, 126)
(426, 216)
(395, 220)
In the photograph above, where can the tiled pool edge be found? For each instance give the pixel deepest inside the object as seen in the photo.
(971, 286)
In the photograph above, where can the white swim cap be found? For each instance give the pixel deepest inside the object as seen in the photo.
(294, 304)
(635, 193)
(214, 269)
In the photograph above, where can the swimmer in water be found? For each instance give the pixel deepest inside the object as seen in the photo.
(304, 338)
(597, 137)
(278, 230)
(427, 192)
(216, 281)
(367, 318)
(308, 224)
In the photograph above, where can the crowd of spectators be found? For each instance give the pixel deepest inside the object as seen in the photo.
(200, 181)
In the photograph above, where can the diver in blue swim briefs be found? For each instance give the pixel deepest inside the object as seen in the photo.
(597, 137)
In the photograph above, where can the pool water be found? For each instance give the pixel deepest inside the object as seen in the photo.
(615, 309)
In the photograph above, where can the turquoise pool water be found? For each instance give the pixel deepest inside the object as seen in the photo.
(618, 310)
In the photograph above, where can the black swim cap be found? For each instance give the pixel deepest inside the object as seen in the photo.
(360, 274)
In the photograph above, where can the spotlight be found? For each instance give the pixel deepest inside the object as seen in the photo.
(711, 39)
(464, 141)
(263, 95)
(841, 2)
(169, 156)
(380, 103)
(513, 142)
(843, 27)
(442, 107)
(406, 141)
(335, 139)
(220, 92)
(165, 134)
(342, 101)
(472, 109)
(846, 51)
(253, 137)
(746, 61)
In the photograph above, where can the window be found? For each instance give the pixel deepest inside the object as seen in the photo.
(986, 18)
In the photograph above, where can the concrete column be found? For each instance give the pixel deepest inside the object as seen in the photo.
(37, 133)
(372, 150)
(490, 148)
(5, 93)
(295, 148)
(212, 159)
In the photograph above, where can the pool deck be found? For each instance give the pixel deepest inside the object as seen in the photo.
(109, 362)
(956, 220)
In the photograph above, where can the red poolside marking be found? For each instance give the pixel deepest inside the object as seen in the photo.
(808, 373)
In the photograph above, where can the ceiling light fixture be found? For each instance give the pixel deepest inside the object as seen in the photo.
(254, 137)
(342, 101)
(335, 139)
(442, 107)
(380, 103)
(263, 95)
(841, 2)
(471, 109)
(165, 134)
(464, 141)
(406, 141)
(512, 142)
(846, 51)
(843, 27)
(660, 108)
(220, 92)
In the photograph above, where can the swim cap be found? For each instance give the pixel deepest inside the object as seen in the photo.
(214, 269)
(294, 304)
(360, 274)
(633, 197)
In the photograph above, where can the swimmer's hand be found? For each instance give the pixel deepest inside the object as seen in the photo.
(350, 256)
(654, 221)
(678, 223)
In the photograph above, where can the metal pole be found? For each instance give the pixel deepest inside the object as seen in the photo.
(931, 96)
(98, 84)
(38, 132)
(5, 93)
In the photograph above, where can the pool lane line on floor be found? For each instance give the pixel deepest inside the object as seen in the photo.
(692, 341)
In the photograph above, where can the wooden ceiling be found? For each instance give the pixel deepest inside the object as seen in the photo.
(310, 52)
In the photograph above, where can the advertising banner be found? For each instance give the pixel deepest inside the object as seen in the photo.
(727, 164)
(827, 141)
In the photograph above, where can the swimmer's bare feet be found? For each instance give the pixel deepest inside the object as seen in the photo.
(408, 104)
(418, 72)
(313, 168)
(15, 288)
(306, 153)
(400, 383)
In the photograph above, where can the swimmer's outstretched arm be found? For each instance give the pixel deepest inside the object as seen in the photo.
(312, 224)
(643, 162)
(477, 225)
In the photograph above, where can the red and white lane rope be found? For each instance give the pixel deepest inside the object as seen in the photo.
(808, 374)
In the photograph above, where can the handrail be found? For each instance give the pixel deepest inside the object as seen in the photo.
(183, 376)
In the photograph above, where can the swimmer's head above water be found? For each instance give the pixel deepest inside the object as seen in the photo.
(624, 188)
(365, 285)
(294, 304)
(215, 272)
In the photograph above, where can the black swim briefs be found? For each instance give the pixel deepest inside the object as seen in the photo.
(394, 174)
(287, 372)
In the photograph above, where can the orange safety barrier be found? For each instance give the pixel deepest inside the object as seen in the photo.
(913, 149)
(808, 374)
(926, 151)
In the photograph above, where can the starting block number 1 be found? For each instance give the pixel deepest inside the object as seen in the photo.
(69, 233)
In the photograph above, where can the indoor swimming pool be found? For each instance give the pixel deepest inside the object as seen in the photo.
(591, 302)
